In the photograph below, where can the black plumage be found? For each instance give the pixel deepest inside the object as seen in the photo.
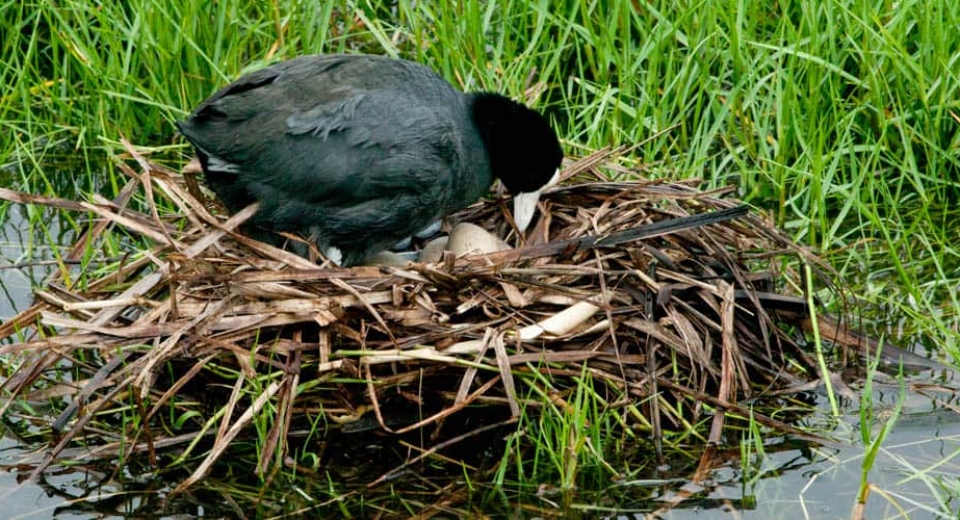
(358, 152)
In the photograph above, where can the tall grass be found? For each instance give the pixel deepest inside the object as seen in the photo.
(835, 114)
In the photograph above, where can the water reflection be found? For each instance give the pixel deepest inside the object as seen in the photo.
(794, 479)
(24, 254)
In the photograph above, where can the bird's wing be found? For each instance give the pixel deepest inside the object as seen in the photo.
(332, 131)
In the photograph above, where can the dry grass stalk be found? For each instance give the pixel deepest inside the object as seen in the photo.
(214, 326)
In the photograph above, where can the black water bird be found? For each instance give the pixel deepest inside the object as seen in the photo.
(358, 152)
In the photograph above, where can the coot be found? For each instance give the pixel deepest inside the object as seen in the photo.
(357, 152)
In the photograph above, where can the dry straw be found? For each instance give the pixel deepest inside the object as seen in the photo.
(214, 327)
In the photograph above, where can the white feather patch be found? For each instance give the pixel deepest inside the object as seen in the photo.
(334, 255)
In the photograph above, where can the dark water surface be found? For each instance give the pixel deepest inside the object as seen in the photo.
(795, 479)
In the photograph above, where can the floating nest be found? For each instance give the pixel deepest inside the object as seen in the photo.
(672, 304)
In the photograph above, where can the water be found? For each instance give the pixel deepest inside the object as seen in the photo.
(16, 284)
(796, 479)
(808, 481)
(19, 245)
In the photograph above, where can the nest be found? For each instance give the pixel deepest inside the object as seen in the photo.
(672, 327)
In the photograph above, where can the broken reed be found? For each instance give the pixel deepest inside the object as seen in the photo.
(209, 332)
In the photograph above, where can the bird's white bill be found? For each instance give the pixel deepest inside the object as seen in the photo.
(525, 204)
